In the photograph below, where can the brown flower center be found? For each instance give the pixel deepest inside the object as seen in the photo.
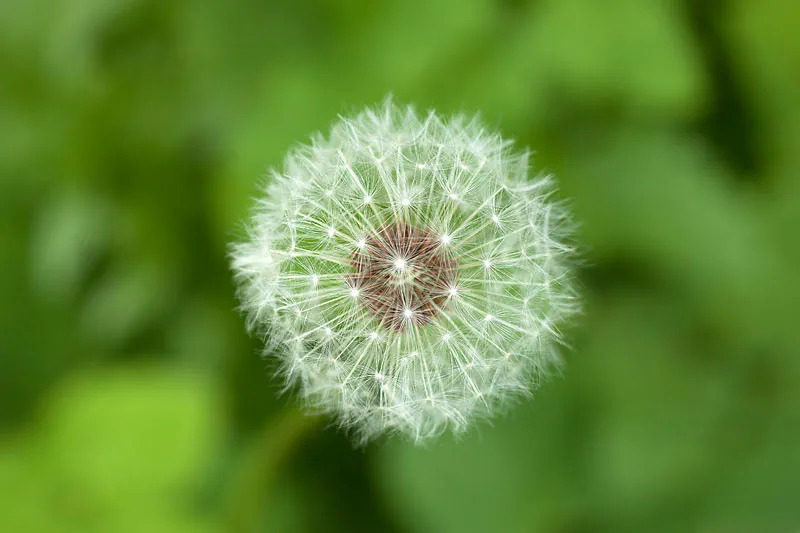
(402, 276)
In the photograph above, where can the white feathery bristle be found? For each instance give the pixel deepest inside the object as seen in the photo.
(410, 273)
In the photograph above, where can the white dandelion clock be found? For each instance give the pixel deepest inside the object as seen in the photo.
(407, 272)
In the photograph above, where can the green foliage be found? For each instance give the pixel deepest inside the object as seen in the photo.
(132, 135)
(119, 450)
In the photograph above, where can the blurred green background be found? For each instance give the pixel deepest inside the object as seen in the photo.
(132, 137)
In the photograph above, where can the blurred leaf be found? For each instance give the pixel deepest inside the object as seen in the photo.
(636, 51)
(663, 200)
(125, 302)
(630, 54)
(72, 231)
(766, 46)
(118, 450)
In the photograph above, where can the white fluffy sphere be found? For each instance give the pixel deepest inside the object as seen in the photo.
(407, 273)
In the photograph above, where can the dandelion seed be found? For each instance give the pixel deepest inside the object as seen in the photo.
(418, 292)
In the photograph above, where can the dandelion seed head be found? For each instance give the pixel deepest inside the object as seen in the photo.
(396, 264)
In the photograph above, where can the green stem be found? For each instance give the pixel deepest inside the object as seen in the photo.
(255, 475)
